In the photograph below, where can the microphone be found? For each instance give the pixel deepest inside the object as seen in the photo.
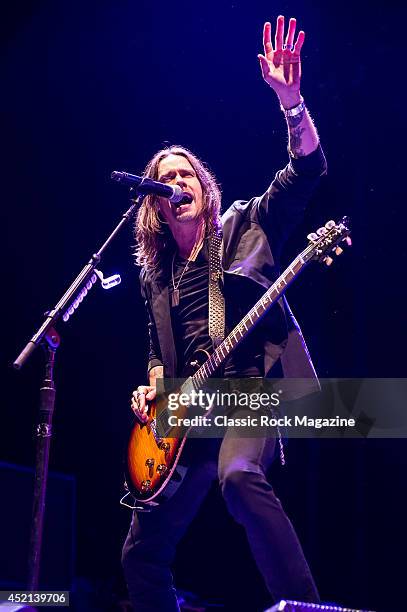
(147, 186)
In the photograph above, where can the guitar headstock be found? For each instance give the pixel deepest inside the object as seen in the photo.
(324, 243)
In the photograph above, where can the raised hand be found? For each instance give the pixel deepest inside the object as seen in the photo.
(281, 64)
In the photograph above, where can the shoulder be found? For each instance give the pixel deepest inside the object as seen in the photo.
(152, 280)
(146, 280)
(239, 211)
(243, 214)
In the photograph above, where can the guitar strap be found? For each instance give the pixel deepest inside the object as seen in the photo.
(216, 321)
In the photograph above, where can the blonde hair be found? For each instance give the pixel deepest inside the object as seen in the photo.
(153, 237)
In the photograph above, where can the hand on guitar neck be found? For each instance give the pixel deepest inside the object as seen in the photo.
(144, 394)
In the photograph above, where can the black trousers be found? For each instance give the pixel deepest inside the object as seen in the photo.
(151, 543)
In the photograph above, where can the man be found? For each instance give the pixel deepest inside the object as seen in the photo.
(173, 253)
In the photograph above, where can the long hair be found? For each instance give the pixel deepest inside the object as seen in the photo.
(153, 237)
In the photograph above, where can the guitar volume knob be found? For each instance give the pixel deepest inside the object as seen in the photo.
(146, 485)
(161, 469)
(150, 465)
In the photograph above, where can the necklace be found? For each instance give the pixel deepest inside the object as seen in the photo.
(175, 289)
(194, 253)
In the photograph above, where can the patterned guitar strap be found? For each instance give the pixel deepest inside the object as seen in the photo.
(216, 322)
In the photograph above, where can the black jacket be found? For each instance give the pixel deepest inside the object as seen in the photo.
(254, 233)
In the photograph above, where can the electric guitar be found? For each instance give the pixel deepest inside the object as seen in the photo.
(154, 464)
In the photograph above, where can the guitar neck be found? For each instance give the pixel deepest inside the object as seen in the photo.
(248, 322)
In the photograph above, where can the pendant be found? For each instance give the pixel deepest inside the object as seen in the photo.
(175, 298)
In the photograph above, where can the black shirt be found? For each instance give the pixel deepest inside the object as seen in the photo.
(190, 317)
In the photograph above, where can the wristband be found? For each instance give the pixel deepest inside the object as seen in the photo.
(293, 112)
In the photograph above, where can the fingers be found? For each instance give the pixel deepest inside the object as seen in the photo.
(265, 69)
(279, 33)
(279, 37)
(289, 47)
(268, 47)
(141, 413)
(139, 401)
(289, 41)
(299, 43)
(151, 394)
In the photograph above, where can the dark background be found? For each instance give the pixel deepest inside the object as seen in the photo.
(89, 87)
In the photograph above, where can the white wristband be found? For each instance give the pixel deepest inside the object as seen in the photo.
(293, 112)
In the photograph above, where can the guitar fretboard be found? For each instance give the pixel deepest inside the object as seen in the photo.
(245, 326)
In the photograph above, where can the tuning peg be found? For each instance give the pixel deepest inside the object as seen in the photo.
(338, 250)
(328, 261)
(330, 224)
(321, 231)
(348, 240)
(312, 236)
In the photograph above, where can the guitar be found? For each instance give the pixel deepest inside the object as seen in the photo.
(154, 464)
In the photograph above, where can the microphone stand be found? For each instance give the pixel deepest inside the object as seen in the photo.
(48, 337)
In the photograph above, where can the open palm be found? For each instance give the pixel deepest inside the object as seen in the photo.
(281, 65)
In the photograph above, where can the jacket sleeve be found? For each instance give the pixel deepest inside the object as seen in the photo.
(283, 205)
(154, 352)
